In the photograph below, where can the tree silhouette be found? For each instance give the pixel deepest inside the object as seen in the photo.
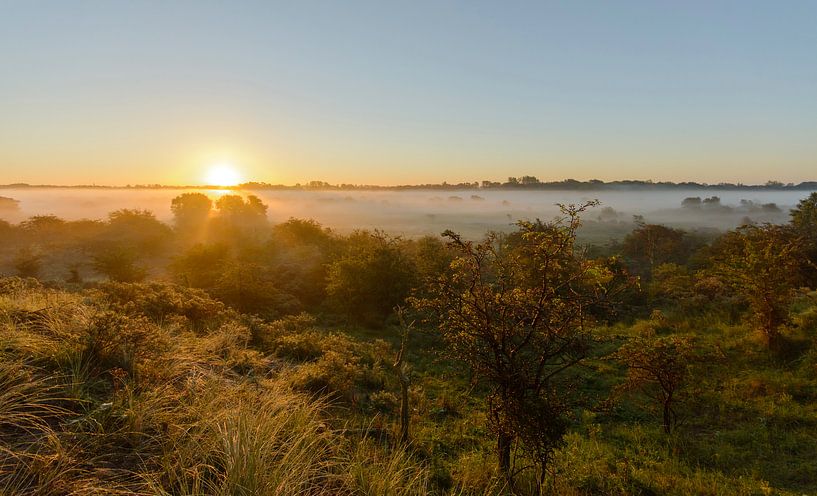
(190, 213)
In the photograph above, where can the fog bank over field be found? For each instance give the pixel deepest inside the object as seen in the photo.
(418, 212)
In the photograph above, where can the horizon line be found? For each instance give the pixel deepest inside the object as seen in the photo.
(523, 182)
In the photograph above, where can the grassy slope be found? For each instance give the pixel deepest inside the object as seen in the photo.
(94, 401)
(99, 404)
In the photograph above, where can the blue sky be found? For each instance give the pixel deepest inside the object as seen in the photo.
(407, 92)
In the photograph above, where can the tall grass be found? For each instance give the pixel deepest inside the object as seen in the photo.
(96, 399)
(94, 402)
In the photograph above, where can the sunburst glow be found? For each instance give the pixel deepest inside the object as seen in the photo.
(223, 175)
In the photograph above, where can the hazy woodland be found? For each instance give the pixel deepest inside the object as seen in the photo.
(407, 343)
(415, 213)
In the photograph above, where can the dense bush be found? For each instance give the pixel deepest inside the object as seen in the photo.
(161, 301)
(371, 278)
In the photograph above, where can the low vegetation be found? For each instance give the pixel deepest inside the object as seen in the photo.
(222, 355)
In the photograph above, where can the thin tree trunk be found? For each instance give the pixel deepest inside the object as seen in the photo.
(405, 414)
(404, 376)
(503, 448)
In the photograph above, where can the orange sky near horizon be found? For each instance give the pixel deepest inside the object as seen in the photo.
(117, 93)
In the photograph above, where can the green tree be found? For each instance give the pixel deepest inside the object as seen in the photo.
(659, 368)
(650, 245)
(251, 288)
(762, 263)
(431, 257)
(804, 223)
(299, 252)
(671, 284)
(804, 215)
(371, 278)
(304, 232)
(516, 314)
(239, 210)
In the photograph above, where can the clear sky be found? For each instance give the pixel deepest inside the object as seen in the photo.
(388, 92)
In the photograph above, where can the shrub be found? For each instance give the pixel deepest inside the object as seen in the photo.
(159, 301)
(118, 264)
(113, 340)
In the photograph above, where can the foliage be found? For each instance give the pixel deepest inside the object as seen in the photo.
(660, 368)
(371, 278)
(804, 216)
(333, 364)
(516, 316)
(160, 302)
(201, 265)
(430, 257)
(762, 264)
(136, 230)
(119, 264)
(239, 218)
(299, 252)
(303, 232)
(190, 213)
(804, 224)
(253, 288)
(115, 341)
(650, 245)
(240, 378)
(132, 407)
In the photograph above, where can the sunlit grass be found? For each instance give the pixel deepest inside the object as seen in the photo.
(238, 406)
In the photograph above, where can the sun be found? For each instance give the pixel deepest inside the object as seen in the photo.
(223, 175)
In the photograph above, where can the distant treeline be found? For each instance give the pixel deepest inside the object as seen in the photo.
(513, 183)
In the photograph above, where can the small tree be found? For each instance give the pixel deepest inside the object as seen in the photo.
(45, 230)
(371, 278)
(650, 245)
(514, 309)
(659, 368)
(762, 264)
(804, 215)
